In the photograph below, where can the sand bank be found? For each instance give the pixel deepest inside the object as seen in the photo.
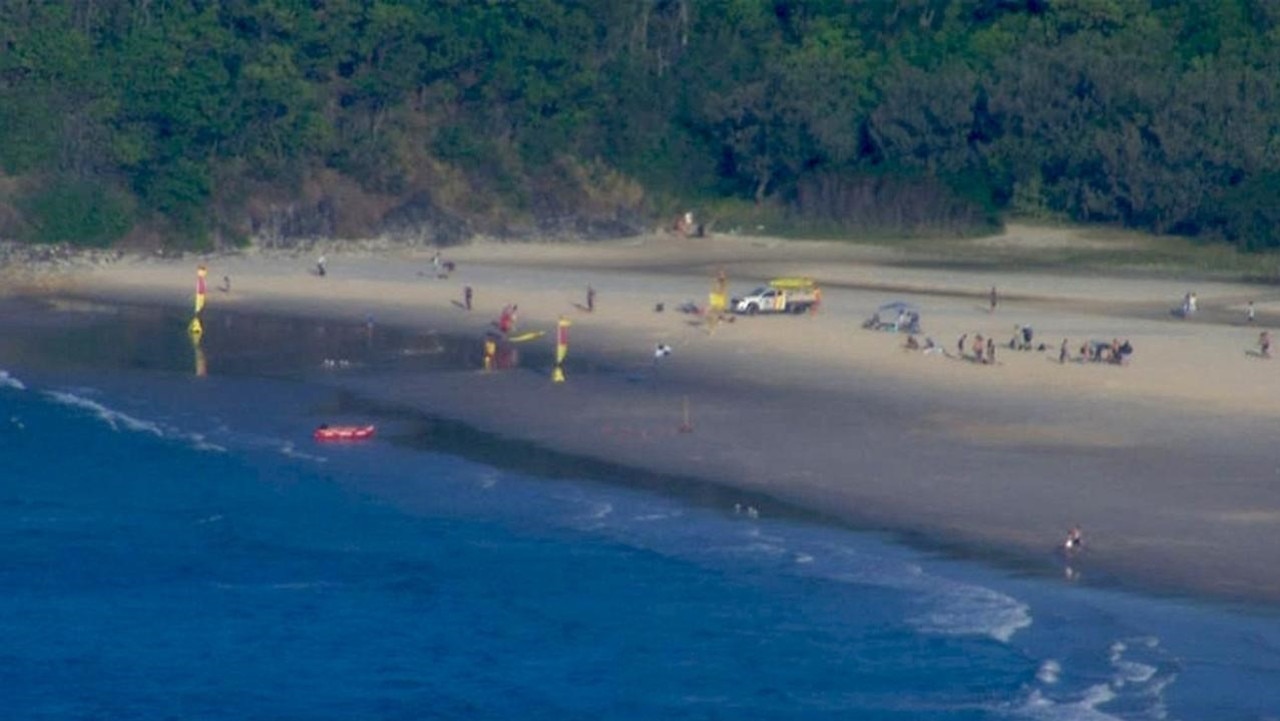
(1168, 462)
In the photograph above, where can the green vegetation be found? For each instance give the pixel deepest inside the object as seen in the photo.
(211, 122)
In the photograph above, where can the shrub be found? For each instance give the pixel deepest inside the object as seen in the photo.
(79, 212)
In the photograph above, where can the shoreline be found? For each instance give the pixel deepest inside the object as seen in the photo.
(822, 415)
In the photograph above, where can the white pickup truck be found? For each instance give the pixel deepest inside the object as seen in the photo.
(782, 295)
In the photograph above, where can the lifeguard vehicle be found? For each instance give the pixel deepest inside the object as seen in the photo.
(781, 295)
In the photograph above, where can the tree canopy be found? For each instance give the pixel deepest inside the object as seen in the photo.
(201, 122)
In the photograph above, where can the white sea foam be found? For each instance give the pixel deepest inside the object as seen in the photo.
(962, 609)
(651, 517)
(1042, 708)
(947, 607)
(1049, 672)
(765, 548)
(1135, 688)
(199, 442)
(120, 421)
(288, 450)
(8, 381)
(488, 479)
(1133, 672)
(1145, 677)
(115, 419)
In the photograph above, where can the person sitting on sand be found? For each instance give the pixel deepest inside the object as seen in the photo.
(911, 343)
(930, 347)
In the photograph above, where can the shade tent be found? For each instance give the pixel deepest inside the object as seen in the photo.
(897, 316)
(898, 306)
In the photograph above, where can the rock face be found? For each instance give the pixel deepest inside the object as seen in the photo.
(339, 211)
(285, 225)
(420, 221)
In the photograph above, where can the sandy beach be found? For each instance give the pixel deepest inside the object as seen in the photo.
(1167, 462)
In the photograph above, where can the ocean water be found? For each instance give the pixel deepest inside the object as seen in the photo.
(175, 546)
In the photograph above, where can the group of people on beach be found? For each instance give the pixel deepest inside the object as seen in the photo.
(981, 350)
(1097, 351)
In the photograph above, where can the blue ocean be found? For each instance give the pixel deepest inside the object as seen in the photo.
(174, 545)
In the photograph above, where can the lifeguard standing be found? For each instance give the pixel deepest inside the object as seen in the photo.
(562, 349)
(718, 299)
(490, 351)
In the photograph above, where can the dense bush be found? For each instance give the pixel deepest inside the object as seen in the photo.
(79, 213)
(929, 114)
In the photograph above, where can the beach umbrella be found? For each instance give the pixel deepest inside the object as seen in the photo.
(898, 306)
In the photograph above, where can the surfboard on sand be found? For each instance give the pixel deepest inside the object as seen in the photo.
(531, 335)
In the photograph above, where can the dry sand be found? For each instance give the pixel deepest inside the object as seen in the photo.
(1168, 463)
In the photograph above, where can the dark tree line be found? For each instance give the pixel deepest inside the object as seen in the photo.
(202, 121)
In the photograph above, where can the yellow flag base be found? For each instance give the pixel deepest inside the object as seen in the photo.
(196, 328)
(557, 375)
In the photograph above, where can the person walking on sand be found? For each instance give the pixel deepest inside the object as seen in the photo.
(320, 263)
(994, 299)
(506, 319)
(1264, 344)
(960, 344)
(991, 351)
(978, 347)
(1249, 314)
(466, 297)
(1063, 353)
(591, 299)
(1075, 540)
